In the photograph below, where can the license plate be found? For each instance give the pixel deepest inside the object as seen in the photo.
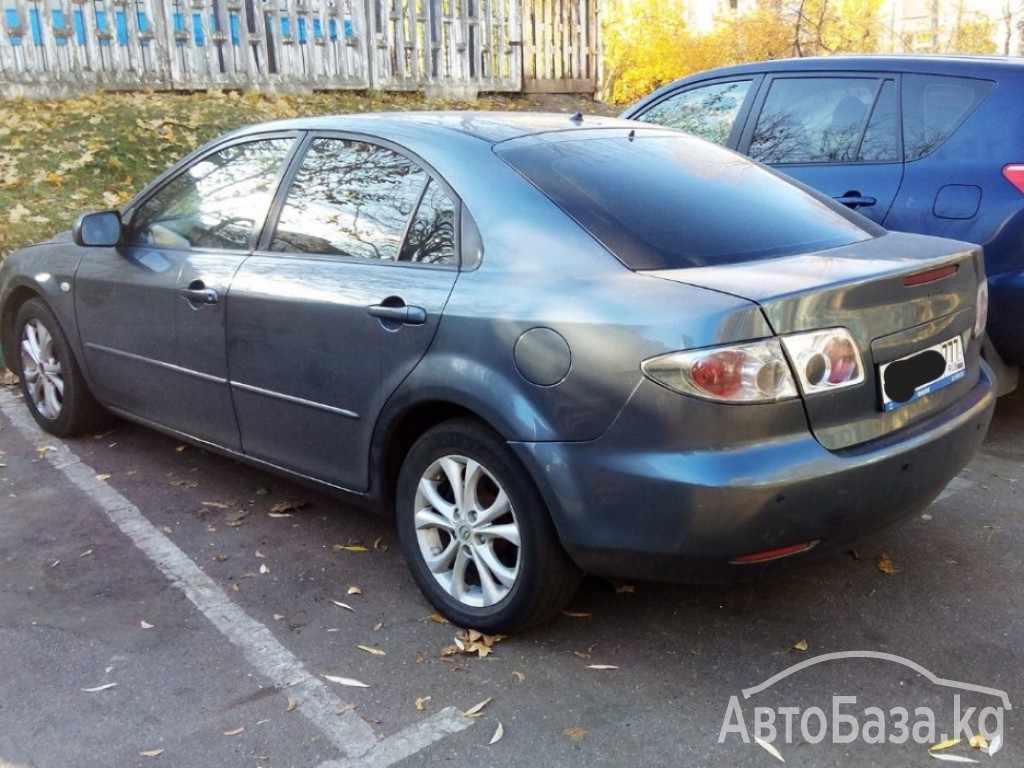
(912, 377)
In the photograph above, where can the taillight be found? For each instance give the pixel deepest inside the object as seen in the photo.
(758, 372)
(1014, 173)
(824, 360)
(755, 372)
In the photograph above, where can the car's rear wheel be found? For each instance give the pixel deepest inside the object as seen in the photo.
(51, 381)
(475, 531)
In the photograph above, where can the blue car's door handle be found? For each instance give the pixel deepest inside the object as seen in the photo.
(403, 313)
(856, 200)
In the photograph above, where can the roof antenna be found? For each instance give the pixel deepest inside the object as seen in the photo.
(577, 118)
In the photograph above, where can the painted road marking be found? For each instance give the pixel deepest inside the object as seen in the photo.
(349, 733)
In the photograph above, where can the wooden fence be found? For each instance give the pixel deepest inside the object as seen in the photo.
(59, 47)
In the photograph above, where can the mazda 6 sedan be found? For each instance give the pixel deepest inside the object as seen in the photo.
(547, 345)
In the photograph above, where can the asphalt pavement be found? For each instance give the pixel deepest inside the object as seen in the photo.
(163, 606)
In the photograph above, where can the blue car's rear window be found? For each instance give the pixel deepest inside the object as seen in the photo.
(666, 202)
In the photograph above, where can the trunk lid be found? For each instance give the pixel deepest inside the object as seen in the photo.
(862, 287)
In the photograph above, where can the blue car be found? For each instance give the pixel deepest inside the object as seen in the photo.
(927, 144)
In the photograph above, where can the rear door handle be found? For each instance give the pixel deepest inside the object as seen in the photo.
(856, 200)
(403, 313)
(200, 295)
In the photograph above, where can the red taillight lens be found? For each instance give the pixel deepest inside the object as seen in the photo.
(843, 360)
(1014, 173)
(719, 374)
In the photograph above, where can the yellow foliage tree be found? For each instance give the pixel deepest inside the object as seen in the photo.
(645, 46)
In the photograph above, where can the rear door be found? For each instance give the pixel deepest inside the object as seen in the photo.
(338, 305)
(838, 133)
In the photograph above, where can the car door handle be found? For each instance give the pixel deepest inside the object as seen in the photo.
(403, 313)
(200, 295)
(856, 200)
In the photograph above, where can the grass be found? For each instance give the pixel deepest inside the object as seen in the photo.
(61, 158)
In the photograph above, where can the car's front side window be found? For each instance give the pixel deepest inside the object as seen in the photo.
(708, 111)
(813, 120)
(216, 202)
(358, 200)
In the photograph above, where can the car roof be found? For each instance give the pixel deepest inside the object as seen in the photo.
(490, 127)
(987, 66)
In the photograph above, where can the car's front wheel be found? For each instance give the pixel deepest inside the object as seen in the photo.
(51, 381)
(478, 539)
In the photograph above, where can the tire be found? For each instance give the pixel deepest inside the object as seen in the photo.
(51, 381)
(487, 557)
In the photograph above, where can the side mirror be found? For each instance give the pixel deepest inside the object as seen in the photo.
(101, 229)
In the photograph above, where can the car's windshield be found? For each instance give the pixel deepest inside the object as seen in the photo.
(665, 202)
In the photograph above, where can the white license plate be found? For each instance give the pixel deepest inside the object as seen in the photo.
(912, 377)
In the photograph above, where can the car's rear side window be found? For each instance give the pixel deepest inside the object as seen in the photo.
(933, 106)
(665, 202)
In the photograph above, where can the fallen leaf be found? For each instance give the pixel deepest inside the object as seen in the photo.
(345, 708)
(145, 624)
(350, 548)
(355, 590)
(220, 557)
(55, 563)
(236, 731)
(437, 618)
(995, 745)
(280, 514)
(378, 626)
(624, 589)
(769, 749)
(379, 544)
(86, 553)
(885, 564)
(181, 448)
(346, 606)
(98, 688)
(419, 657)
(370, 649)
(575, 733)
(103, 477)
(346, 681)
(601, 666)
(288, 506)
(291, 704)
(498, 733)
(263, 568)
(577, 614)
(476, 709)
(151, 753)
(800, 646)
(421, 704)
(978, 742)
(215, 504)
(278, 617)
(518, 675)
(943, 745)
(952, 758)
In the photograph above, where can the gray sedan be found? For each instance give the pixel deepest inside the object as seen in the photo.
(547, 345)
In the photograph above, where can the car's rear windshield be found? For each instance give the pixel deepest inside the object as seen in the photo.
(667, 202)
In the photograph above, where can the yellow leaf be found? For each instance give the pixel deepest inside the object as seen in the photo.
(236, 731)
(355, 590)
(55, 179)
(437, 618)
(943, 745)
(577, 614)
(291, 704)
(498, 733)
(800, 646)
(421, 704)
(103, 477)
(979, 742)
(151, 753)
(346, 681)
(370, 649)
(885, 564)
(476, 709)
(350, 548)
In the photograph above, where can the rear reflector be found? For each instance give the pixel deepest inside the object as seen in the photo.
(1014, 173)
(931, 275)
(774, 554)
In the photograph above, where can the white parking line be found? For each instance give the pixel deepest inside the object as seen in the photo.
(348, 732)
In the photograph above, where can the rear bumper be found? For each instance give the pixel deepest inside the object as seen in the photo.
(626, 508)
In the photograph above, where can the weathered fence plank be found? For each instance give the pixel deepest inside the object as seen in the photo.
(56, 47)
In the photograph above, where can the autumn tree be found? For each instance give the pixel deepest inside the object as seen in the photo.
(645, 46)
